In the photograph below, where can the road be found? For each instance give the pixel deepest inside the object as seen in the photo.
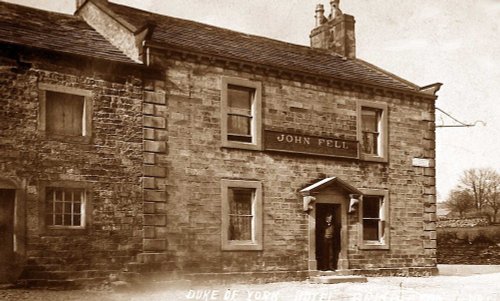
(439, 288)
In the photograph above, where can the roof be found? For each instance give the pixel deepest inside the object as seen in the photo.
(326, 183)
(206, 39)
(20, 25)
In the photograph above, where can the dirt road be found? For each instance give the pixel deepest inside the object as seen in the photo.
(439, 288)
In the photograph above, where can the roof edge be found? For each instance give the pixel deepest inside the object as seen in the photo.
(369, 85)
(431, 89)
(390, 74)
(131, 64)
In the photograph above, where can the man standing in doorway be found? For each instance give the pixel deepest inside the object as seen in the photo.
(328, 242)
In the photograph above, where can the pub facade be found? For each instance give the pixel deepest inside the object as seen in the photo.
(266, 160)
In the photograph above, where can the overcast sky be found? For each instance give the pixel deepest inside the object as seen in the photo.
(456, 42)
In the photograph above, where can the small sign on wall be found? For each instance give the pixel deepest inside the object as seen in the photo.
(420, 162)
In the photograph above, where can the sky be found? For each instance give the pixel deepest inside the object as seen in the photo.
(455, 42)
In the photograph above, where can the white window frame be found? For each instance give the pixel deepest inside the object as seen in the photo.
(384, 242)
(87, 107)
(83, 207)
(383, 126)
(86, 209)
(256, 111)
(244, 245)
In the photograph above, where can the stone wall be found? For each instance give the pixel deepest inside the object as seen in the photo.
(469, 245)
(196, 163)
(110, 164)
(463, 223)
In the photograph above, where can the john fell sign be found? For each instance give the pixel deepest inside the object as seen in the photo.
(304, 144)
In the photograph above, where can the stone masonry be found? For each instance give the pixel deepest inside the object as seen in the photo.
(197, 163)
(156, 157)
(155, 173)
(110, 164)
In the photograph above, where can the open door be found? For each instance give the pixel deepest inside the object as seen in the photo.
(7, 205)
(328, 243)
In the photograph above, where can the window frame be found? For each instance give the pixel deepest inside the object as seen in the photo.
(256, 113)
(384, 243)
(87, 111)
(86, 209)
(256, 244)
(383, 129)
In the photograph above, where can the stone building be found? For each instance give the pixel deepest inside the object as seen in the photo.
(202, 152)
(70, 149)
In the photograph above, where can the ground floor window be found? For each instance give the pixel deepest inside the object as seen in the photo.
(374, 219)
(65, 207)
(241, 215)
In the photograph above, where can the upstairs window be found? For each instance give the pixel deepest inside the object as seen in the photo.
(374, 223)
(241, 215)
(65, 207)
(370, 122)
(372, 131)
(65, 114)
(241, 113)
(65, 111)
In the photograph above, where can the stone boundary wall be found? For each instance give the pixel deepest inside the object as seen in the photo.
(463, 223)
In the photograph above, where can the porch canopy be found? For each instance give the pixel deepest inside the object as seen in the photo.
(327, 182)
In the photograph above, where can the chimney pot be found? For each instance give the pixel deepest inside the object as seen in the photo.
(320, 15)
(335, 9)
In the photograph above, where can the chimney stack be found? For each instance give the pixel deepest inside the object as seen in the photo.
(335, 33)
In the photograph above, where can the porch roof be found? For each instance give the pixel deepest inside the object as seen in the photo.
(328, 182)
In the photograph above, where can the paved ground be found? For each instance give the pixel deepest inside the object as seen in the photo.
(467, 269)
(440, 288)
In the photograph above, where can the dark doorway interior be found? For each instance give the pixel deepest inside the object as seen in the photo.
(328, 236)
(7, 201)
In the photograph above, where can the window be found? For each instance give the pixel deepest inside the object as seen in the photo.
(65, 207)
(372, 131)
(374, 224)
(65, 111)
(241, 215)
(241, 113)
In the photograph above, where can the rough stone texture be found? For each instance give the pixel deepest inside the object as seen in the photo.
(155, 195)
(336, 35)
(465, 253)
(155, 161)
(197, 163)
(111, 163)
(463, 223)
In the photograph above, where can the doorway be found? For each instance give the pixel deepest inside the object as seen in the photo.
(7, 205)
(328, 238)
